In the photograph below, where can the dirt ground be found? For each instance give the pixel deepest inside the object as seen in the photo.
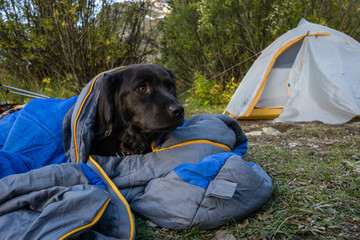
(318, 133)
(255, 125)
(318, 140)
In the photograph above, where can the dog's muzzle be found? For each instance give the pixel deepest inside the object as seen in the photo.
(176, 111)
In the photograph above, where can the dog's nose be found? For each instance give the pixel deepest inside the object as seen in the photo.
(176, 110)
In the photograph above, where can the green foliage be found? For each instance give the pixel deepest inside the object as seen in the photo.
(75, 40)
(215, 35)
(212, 37)
(201, 91)
(207, 92)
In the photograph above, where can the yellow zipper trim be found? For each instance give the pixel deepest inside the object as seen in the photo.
(96, 219)
(281, 50)
(81, 106)
(192, 142)
(118, 193)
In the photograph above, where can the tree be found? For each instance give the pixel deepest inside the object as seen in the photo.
(72, 41)
(217, 38)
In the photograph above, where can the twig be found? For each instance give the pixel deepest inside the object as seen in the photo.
(277, 230)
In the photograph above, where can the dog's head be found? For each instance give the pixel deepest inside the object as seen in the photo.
(141, 96)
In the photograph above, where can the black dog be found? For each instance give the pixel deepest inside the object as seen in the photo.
(136, 105)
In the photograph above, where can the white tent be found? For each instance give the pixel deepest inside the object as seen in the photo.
(310, 73)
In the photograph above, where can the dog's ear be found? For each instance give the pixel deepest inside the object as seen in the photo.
(172, 76)
(106, 103)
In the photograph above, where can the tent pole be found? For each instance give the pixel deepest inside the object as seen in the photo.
(23, 92)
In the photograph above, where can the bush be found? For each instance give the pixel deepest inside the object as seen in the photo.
(209, 92)
(55, 39)
(213, 37)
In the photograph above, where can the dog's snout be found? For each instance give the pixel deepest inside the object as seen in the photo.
(176, 110)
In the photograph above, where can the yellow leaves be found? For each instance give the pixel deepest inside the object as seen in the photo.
(48, 89)
(208, 91)
(46, 80)
(48, 24)
(29, 56)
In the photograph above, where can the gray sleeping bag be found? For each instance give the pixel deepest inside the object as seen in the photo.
(195, 177)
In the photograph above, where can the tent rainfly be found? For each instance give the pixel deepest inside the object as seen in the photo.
(310, 73)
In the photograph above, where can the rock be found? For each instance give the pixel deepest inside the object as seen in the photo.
(254, 133)
(270, 131)
(266, 130)
(223, 235)
(356, 124)
(314, 146)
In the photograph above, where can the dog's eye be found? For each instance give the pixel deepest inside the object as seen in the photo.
(170, 87)
(142, 88)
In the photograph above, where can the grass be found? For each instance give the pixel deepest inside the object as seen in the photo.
(315, 170)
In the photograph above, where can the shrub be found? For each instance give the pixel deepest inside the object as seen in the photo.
(208, 91)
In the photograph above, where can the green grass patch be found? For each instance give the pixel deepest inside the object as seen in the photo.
(195, 107)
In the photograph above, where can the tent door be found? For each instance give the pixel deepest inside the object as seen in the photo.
(275, 93)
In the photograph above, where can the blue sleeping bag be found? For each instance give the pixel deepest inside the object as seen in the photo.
(32, 137)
